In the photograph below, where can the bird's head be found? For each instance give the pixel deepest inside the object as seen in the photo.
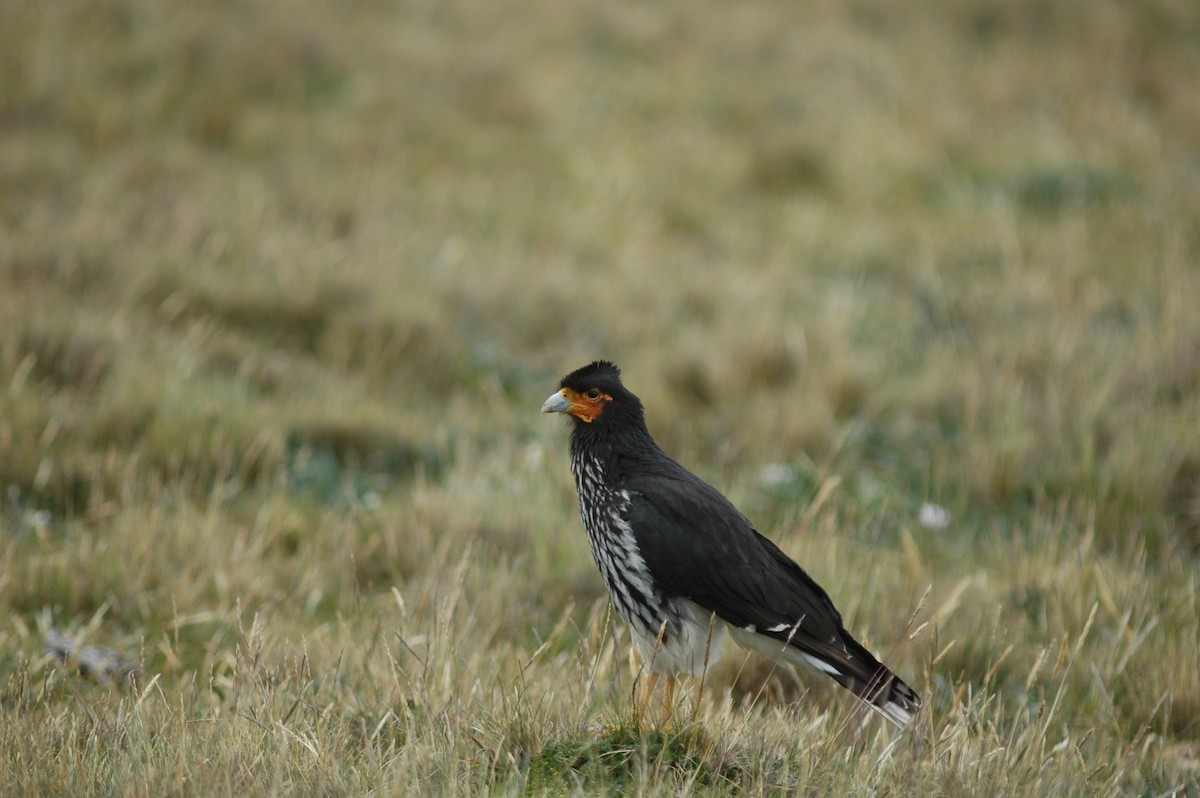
(593, 393)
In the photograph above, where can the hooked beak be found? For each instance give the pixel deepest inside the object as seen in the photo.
(557, 403)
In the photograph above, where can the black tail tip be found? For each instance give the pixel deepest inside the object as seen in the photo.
(892, 698)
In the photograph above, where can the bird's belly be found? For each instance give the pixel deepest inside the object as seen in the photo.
(673, 635)
(690, 639)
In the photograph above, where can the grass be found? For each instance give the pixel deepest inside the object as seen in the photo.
(282, 289)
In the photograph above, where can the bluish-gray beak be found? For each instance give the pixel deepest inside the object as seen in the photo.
(557, 403)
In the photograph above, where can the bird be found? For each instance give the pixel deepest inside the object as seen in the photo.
(683, 565)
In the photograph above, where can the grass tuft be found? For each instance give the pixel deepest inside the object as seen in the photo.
(623, 757)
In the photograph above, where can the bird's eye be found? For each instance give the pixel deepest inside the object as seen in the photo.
(593, 394)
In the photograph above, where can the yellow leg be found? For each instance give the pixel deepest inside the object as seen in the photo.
(641, 702)
(668, 699)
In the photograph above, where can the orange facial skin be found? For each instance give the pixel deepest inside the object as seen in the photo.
(585, 406)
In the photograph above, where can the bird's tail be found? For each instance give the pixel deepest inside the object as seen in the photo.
(887, 694)
(879, 688)
(846, 662)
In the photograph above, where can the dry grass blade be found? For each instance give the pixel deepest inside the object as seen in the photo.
(282, 285)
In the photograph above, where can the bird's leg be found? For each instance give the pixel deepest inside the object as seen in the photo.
(641, 702)
(668, 697)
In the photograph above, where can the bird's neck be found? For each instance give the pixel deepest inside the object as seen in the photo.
(611, 453)
(593, 451)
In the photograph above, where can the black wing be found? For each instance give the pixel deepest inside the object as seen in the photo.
(700, 547)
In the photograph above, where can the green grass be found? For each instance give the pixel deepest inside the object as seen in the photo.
(282, 288)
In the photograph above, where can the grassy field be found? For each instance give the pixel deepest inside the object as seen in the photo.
(283, 286)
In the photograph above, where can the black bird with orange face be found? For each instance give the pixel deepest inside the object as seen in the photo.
(674, 553)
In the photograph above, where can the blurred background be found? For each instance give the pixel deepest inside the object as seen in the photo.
(956, 244)
(283, 286)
